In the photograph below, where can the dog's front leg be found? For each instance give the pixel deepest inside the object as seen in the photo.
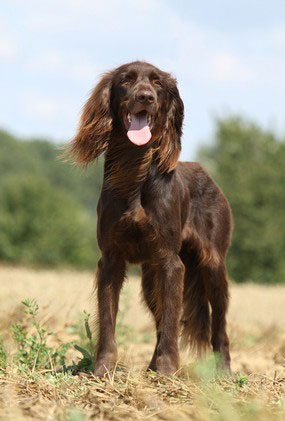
(170, 276)
(110, 277)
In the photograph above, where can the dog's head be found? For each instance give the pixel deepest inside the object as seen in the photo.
(136, 103)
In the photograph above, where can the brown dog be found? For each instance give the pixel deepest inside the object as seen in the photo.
(169, 216)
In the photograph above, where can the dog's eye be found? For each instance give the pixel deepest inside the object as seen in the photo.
(126, 80)
(157, 82)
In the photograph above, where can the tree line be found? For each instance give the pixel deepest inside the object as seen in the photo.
(48, 207)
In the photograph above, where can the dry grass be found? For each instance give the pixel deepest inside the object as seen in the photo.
(257, 332)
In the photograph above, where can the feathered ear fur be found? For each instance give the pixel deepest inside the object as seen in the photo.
(170, 143)
(95, 125)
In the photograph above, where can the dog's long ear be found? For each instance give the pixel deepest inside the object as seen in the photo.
(95, 125)
(170, 143)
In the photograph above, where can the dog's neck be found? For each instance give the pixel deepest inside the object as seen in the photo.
(127, 169)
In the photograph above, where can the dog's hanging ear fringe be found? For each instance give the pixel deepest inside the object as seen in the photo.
(170, 143)
(95, 125)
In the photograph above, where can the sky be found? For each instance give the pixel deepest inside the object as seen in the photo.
(228, 58)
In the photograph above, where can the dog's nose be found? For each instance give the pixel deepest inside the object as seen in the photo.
(145, 96)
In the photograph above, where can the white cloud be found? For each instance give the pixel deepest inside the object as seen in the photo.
(108, 15)
(49, 61)
(276, 37)
(227, 67)
(8, 49)
(39, 107)
(203, 56)
(47, 107)
(9, 46)
(59, 63)
(51, 115)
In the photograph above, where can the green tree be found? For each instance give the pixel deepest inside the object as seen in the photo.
(47, 206)
(43, 225)
(248, 164)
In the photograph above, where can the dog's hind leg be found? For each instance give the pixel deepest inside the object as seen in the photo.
(196, 313)
(217, 289)
(205, 285)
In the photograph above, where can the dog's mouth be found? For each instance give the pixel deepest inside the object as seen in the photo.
(138, 127)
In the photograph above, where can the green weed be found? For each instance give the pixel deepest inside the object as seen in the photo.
(33, 352)
(85, 362)
(3, 357)
(241, 380)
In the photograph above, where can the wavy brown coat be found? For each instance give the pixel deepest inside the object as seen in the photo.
(166, 215)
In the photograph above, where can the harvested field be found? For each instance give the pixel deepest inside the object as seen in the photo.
(257, 333)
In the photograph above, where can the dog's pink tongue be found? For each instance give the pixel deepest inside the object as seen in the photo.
(139, 132)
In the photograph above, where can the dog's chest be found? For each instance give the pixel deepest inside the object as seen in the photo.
(136, 235)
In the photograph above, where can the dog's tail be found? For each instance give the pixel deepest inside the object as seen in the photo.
(196, 322)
